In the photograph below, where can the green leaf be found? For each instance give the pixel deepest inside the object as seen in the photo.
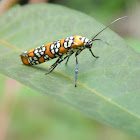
(108, 87)
(135, 42)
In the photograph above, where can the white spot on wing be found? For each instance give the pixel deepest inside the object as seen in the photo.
(83, 39)
(30, 58)
(58, 45)
(86, 40)
(36, 51)
(46, 56)
(65, 44)
(52, 46)
(42, 53)
(70, 41)
(34, 58)
(37, 62)
(52, 51)
(69, 44)
(43, 49)
(66, 39)
(56, 50)
(38, 54)
(71, 37)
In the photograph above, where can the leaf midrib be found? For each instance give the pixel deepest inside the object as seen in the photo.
(7, 44)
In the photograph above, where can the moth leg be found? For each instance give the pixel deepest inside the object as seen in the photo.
(67, 60)
(51, 69)
(93, 54)
(58, 62)
(66, 57)
(76, 71)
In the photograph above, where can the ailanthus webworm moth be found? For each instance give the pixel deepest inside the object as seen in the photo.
(61, 49)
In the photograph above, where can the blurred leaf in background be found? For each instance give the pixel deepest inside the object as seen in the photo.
(39, 118)
(101, 10)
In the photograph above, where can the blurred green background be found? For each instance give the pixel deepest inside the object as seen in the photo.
(27, 115)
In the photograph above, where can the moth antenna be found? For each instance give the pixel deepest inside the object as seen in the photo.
(108, 26)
